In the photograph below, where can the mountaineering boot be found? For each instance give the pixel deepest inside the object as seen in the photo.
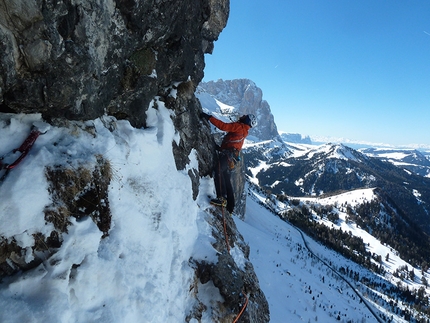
(219, 201)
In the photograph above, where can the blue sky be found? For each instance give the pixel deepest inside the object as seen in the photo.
(357, 69)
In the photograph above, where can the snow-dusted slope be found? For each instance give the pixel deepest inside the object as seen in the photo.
(306, 282)
(411, 160)
(140, 271)
(297, 286)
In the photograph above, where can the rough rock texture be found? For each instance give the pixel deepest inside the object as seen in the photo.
(80, 59)
(232, 281)
(75, 192)
(246, 97)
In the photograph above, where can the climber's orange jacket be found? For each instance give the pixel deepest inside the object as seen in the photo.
(236, 133)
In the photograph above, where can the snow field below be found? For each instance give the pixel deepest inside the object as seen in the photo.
(297, 285)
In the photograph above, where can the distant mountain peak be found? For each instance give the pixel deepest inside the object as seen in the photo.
(336, 151)
(238, 97)
(295, 138)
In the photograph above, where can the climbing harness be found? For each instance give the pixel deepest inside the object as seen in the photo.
(233, 157)
(25, 147)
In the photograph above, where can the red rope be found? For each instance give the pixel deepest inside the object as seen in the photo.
(243, 308)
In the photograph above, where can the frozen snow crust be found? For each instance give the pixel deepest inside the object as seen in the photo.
(158, 255)
(140, 271)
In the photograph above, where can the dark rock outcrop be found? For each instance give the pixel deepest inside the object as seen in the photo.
(79, 60)
(82, 59)
(235, 283)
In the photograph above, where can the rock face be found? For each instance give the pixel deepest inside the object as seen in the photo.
(235, 283)
(80, 59)
(247, 98)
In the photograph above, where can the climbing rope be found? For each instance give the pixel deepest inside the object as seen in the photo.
(24, 149)
(243, 308)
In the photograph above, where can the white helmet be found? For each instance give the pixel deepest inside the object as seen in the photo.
(252, 120)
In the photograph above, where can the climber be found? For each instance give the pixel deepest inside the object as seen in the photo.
(228, 156)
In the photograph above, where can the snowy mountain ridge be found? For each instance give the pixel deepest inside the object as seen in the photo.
(412, 160)
(334, 151)
(358, 144)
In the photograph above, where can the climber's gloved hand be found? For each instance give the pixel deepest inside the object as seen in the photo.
(205, 116)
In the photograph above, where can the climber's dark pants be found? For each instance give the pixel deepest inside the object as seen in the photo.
(222, 180)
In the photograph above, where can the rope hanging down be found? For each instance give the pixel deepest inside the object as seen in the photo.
(243, 308)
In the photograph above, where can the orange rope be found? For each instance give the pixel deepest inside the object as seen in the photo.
(243, 308)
